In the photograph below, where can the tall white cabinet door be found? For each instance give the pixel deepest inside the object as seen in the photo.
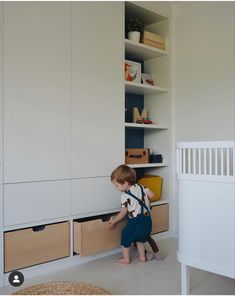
(97, 91)
(1, 144)
(37, 105)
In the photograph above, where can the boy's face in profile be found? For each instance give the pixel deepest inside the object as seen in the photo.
(121, 187)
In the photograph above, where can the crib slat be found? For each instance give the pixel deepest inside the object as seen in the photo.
(227, 161)
(205, 161)
(222, 161)
(233, 162)
(194, 161)
(189, 161)
(210, 161)
(180, 161)
(184, 162)
(216, 161)
(199, 162)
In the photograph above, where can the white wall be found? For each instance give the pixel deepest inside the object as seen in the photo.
(203, 73)
(203, 49)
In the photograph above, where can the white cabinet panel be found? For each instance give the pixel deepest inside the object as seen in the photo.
(1, 145)
(28, 202)
(97, 88)
(37, 102)
(94, 194)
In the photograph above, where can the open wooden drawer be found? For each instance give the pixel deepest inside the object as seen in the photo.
(92, 236)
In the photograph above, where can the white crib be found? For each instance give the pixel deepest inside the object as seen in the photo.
(206, 193)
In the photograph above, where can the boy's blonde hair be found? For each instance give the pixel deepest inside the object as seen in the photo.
(124, 173)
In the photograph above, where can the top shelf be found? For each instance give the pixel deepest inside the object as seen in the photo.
(147, 15)
(139, 50)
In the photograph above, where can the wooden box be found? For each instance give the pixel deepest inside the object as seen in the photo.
(153, 36)
(160, 218)
(93, 236)
(136, 156)
(30, 246)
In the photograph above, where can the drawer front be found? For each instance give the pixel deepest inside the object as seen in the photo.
(92, 195)
(92, 237)
(30, 246)
(29, 202)
(160, 218)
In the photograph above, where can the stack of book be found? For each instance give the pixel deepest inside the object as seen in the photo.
(153, 39)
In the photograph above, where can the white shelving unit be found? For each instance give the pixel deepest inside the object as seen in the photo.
(156, 99)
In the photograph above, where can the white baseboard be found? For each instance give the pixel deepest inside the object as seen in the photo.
(56, 265)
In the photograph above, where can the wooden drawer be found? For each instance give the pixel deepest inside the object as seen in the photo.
(91, 237)
(160, 218)
(30, 246)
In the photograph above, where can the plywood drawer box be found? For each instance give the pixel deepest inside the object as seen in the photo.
(160, 218)
(91, 237)
(30, 246)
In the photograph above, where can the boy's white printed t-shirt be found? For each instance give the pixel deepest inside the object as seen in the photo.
(133, 206)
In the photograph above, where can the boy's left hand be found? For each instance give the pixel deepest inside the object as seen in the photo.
(111, 224)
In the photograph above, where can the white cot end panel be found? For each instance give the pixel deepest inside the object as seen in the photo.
(36, 91)
(92, 195)
(207, 226)
(29, 202)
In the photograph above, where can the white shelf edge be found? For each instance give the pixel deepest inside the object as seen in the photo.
(148, 165)
(143, 51)
(160, 202)
(145, 126)
(139, 88)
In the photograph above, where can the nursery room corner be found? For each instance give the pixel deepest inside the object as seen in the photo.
(112, 112)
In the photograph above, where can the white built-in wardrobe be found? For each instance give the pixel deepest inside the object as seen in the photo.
(62, 84)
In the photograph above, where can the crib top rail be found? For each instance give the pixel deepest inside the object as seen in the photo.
(206, 160)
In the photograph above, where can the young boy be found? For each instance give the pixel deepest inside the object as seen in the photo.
(135, 205)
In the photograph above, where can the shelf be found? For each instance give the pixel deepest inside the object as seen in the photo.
(140, 11)
(142, 51)
(145, 126)
(160, 202)
(142, 89)
(148, 165)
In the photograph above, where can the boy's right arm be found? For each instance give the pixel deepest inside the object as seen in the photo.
(114, 220)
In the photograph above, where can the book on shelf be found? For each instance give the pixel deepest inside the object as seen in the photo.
(153, 43)
(154, 37)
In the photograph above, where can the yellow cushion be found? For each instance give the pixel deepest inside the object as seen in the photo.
(153, 183)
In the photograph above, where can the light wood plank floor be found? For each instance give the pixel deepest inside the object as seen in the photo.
(151, 278)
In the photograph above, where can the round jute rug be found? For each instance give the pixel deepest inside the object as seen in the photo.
(63, 288)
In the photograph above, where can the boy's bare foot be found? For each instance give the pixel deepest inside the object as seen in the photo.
(142, 259)
(123, 261)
